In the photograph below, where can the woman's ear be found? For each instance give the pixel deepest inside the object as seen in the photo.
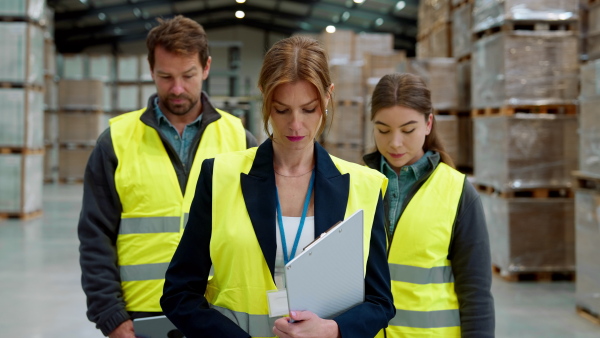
(429, 124)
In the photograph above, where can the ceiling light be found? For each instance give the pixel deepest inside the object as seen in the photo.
(359, 1)
(137, 12)
(345, 16)
(400, 5)
(240, 14)
(379, 22)
(240, 1)
(102, 16)
(330, 29)
(83, 1)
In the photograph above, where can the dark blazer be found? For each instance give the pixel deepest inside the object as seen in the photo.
(183, 299)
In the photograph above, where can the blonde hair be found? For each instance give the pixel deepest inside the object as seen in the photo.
(290, 60)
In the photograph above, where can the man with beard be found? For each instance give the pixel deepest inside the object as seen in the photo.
(141, 177)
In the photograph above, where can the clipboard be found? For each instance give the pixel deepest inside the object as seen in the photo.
(327, 277)
(155, 327)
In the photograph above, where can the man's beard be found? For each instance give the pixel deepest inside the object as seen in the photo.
(179, 109)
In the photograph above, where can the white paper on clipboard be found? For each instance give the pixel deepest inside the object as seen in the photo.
(327, 278)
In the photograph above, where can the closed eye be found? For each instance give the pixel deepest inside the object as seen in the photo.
(383, 131)
(281, 111)
(409, 131)
(310, 110)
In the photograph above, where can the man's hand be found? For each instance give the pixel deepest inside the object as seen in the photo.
(306, 325)
(125, 330)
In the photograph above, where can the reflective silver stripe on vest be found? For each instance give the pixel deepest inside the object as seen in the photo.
(426, 319)
(254, 325)
(149, 225)
(416, 275)
(186, 216)
(130, 273)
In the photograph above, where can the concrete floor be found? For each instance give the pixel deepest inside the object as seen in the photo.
(41, 297)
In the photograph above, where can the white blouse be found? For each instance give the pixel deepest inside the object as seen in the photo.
(290, 226)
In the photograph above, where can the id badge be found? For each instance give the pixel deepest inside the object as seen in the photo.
(278, 304)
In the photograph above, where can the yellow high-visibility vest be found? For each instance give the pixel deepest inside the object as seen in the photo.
(422, 278)
(154, 209)
(241, 274)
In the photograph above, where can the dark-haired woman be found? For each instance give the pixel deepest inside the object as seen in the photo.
(438, 250)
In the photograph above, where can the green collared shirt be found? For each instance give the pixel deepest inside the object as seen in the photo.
(181, 143)
(399, 185)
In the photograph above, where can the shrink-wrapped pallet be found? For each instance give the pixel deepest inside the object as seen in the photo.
(447, 130)
(72, 66)
(525, 68)
(22, 54)
(463, 78)
(590, 80)
(81, 127)
(525, 151)
(22, 122)
(589, 135)
(587, 251)
(461, 31)
(101, 67)
(438, 73)
(51, 163)
(81, 95)
(339, 45)
(465, 143)
(29, 9)
(372, 42)
(440, 41)
(128, 68)
(347, 124)
(347, 78)
(50, 127)
(145, 73)
(146, 90)
(530, 234)
(378, 64)
(72, 163)
(432, 13)
(490, 13)
(21, 182)
(49, 58)
(50, 94)
(128, 96)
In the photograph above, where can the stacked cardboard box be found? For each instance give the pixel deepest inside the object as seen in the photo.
(22, 97)
(81, 119)
(353, 64)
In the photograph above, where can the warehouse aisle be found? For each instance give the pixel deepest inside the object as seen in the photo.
(41, 297)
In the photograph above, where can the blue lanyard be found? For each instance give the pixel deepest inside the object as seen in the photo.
(286, 259)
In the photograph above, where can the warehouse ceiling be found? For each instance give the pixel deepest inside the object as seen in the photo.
(84, 23)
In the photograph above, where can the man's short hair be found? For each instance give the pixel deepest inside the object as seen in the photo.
(179, 35)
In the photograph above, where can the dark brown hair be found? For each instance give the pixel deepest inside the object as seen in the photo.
(178, 35)
(290, 60)
(409, 91)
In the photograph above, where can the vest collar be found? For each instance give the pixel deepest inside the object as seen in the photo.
(258, 187)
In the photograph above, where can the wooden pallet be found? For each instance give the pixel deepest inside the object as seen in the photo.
(588, 314)
(558, 109)
(526, 193)
(454, 112)
(586, 181)
(77, 145)
(463, 58)
(24, 216)
(70, 180)
(21, 85)
(527, 25)
(346, 103)
(17, 150)
(537, 276)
